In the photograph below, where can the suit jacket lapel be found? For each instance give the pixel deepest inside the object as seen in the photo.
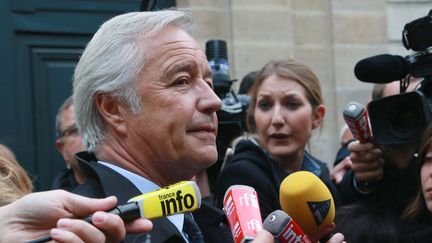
(115, 184)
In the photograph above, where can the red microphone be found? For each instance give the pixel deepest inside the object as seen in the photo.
(242, 212)
(356, 118)
(284, 229)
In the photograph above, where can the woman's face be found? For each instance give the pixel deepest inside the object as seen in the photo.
(426, 178)
(284, 117)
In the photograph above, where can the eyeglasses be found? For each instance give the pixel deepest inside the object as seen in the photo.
(70, 130)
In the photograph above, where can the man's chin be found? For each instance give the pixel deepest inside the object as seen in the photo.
(208, 158)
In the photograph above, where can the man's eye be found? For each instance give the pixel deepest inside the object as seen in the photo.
(181, 81)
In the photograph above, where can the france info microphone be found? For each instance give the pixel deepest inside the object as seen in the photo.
(181, 197)
(356, 118)
(284, 229)
(308, 201)
(242, 212)
(383, 68)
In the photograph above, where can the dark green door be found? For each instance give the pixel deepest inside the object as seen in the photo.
(40, 43)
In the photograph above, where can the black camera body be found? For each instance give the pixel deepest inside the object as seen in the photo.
(402, 118)
(232, 115)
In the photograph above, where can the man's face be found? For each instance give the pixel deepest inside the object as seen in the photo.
(70, 143)
(178, 125)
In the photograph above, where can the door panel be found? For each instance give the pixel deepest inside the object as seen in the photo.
(41, 42)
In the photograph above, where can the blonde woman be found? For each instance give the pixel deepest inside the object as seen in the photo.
(14, 181)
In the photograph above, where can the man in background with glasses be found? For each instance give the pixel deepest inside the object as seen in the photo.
(68, 143)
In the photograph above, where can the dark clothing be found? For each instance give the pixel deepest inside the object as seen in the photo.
(386, 202)
(423, 231)
(250, 165)
(392, 193)
(65, 180)
(103, 181)
(360, 224)
(342, 153)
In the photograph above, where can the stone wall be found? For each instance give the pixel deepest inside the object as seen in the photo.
(330, 36)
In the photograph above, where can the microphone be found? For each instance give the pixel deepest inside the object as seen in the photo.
(242, 211)
(284, 229)
(181, 197)
(355, 116)
(308, 201)
(383, 68)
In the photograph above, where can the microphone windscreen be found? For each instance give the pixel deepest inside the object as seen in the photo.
(381, 69)
(308, 201)
(276, 221)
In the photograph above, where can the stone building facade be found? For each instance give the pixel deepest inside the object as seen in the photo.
(330, 36)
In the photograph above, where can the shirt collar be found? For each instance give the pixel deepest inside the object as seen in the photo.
(310, 165)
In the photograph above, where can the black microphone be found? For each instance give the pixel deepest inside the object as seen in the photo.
(383, 68)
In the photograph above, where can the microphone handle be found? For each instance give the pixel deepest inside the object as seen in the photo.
(127, 212)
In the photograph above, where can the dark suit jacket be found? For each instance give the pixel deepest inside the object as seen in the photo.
(103, 181)
(65, 180)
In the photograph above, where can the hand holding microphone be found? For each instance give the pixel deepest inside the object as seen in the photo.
(35, 214)
(367, 163)
(178, 198)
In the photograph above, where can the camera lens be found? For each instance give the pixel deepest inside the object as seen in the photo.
(405, 119)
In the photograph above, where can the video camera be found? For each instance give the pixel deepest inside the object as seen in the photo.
(402, 118)
(232, 114)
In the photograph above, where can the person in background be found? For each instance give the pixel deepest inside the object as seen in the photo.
(360, 224)
(68, 143)
(14, 181)
(418, 214)
(286, 108)
(342, 162)
(345, 137)
(381, 181)
(58, 214)
(247, 83)
(381, 176)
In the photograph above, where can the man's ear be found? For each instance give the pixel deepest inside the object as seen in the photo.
(318, 116)
(59, 145)
(112, 111)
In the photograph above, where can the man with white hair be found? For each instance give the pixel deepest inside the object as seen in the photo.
(146, 111)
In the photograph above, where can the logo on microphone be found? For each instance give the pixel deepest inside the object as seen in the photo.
(249, 199)
(172, 203)
(290, 235)
(254, 224)
(319, 210)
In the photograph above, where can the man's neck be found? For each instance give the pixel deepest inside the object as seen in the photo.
(145, 167)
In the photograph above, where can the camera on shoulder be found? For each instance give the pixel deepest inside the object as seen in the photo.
(402, 118)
